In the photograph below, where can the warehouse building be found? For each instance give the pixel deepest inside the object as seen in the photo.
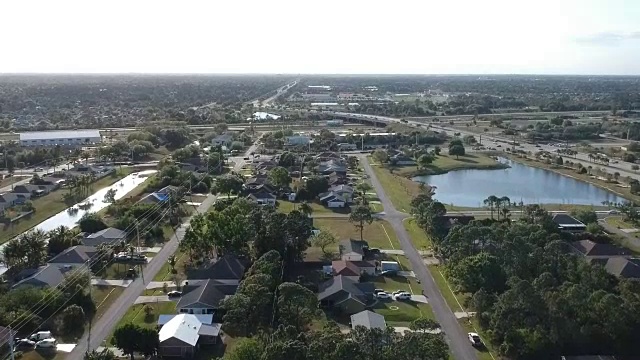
(63, 138)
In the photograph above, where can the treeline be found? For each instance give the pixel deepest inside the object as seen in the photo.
(533, 297)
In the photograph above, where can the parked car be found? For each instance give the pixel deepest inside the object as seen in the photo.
(474, 339)
(403, 296)
(24, 344)
(40, 335)
(383, 295)
(174, 293)
(398, 292)
(47, 343)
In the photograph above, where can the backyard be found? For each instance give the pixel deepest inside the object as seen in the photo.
(379, 234)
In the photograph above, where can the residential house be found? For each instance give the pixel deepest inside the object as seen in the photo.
(369, 320)
(228, 269)
(205, 297)
(75, 256)
(347, 147)
(6, 335)
(109, 236)
(593, 250)
(568, 223)
(353, 269)
(265, 165)
(159, 196)
(343, 191)
(345, 294)
(328, 155)
(49, 275)
(8, 200)
(352, 250)
(297, 140)
(331, 166)
(222, 140)
(337, 179)
(182, 335)
(623, 267)
(263, 197)
(256, 188)
(332, 200)
(29, 191)
(53, 183)
(400, 159)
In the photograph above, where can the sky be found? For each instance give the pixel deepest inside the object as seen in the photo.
(597, 37)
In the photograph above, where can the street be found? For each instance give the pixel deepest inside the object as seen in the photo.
(105, 325)
(456, 335)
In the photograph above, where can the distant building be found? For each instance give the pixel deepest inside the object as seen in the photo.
(335, 122)
(222, 140)
(297, 140)
(568, 223)
(347, 146)
(74, 138)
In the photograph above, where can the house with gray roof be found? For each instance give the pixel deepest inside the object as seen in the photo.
(205, 297)
(345, 294)
(222, 140)
(8, 200)
(50, 275)
(108, 236)
(369, 320)
(568, 223)
(352, 250)
(623, 267)
(74, 256)
(331, 166)
(594, 250)
(227, 269)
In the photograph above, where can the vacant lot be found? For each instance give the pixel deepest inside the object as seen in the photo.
(378, 234)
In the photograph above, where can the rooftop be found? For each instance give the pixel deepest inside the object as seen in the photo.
(590, 248)
(565, 220)
(183, 327)
(368, 319)
(64, 134)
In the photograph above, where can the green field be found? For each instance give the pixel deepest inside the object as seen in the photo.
(378, 234)
(419, 237)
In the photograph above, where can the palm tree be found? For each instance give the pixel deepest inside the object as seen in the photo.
(306, 209)
(505, 213)
(172, 263)
(506, 202)
(490, 201)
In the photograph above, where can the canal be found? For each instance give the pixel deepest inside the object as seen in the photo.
(519, 182)
(94, 203)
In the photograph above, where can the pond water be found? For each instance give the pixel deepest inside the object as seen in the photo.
(93, 203)
(520, 182)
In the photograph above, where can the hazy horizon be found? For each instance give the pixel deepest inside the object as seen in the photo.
(458, 37)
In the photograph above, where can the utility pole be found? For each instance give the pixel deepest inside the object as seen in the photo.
(11, 346)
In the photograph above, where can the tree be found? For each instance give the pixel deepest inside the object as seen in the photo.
(287, 159)
(228, 184)
(279, 177)
(316, 185)
(73, 319)
(491, 201)
(380, 156)
(457, 150)
(322, 240)
(246, 349)
(594, 228)
(91, 223)
(359, 216)
(60, 239)
(110, 196)
(131, 338)
(424, 160)
(306, 209)
(297, 305)
(424, 324)
(105, 354)
(585, 216)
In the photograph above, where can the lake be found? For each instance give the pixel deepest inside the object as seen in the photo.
(520, 182)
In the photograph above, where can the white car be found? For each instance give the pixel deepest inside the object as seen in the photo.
(47, 343)
(383, 295)
(474, 339)
(403, 296)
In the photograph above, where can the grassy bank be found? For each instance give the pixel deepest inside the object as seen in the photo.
(612, 187)
(398, 185)
(51, 204)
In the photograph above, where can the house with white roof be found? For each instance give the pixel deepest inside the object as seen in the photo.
(182, 335)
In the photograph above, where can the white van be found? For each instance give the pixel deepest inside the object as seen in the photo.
(47, 343)
(40, 335)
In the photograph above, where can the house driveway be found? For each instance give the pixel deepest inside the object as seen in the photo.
(152, 299)
(401, 252)
(106, 282)
(152, 285)
(420, 299)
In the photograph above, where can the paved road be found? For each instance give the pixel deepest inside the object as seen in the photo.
(102, 329)
(457, 337)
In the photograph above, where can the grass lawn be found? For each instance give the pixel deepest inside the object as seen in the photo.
(288, 206)
(136, 315)
(401, 313)
(618, 222)
(12, 179)
(378, 234)
(51, 204)
(418, 236)
(42, 354)
(104, 296)
(399, 189)
(455, 301)
(165, 271)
